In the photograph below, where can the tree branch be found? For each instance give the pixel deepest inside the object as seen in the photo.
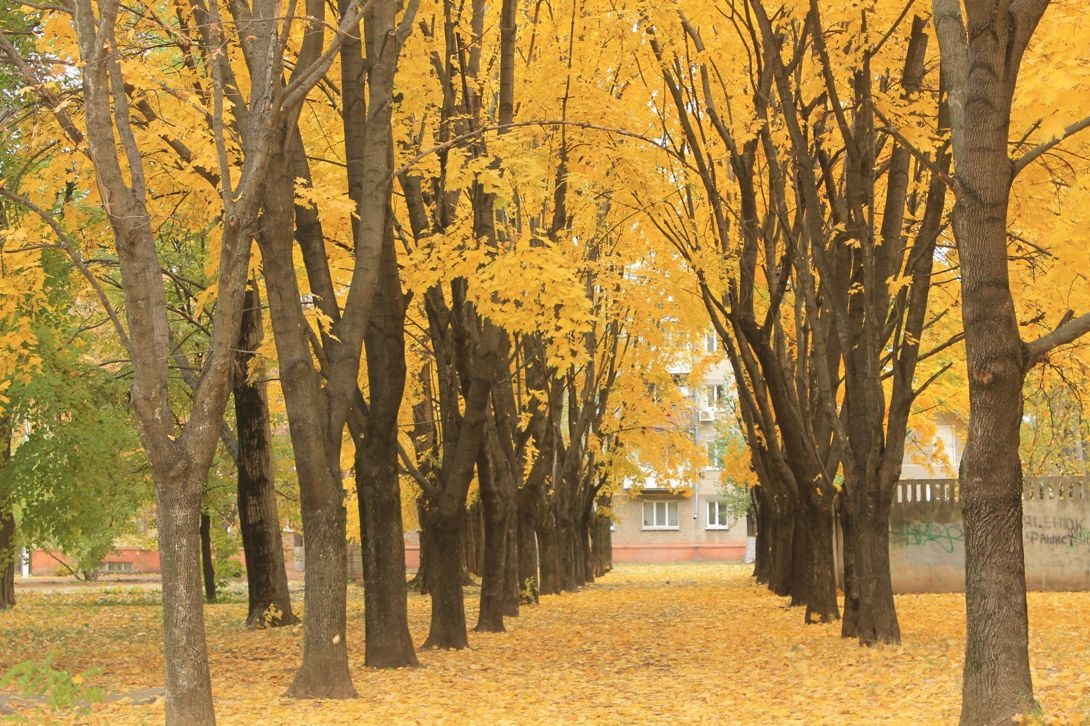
(1033, 154)
(1067, 332)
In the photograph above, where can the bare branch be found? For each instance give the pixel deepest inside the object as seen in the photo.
(1066, 332)
(1037, 152)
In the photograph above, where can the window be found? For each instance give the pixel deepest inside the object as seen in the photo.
(717, 452)
(716, 395)
(718, 516)
(116, 567)
(711, 342)
(660, 515)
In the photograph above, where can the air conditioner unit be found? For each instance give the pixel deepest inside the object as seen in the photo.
(706, 414)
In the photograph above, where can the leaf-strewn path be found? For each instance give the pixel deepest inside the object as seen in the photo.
(647, 644)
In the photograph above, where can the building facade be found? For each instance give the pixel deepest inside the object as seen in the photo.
(676, 521)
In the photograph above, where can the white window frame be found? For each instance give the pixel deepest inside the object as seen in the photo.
(722, 516)
(666, 506)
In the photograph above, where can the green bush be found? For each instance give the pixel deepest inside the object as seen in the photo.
(60, 688)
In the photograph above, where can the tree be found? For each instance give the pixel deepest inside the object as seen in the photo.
(179, 456)
(982, 46)
(266, 579)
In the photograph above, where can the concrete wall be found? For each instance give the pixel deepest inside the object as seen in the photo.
(927, 539)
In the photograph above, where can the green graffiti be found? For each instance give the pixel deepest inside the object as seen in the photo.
(918, 534)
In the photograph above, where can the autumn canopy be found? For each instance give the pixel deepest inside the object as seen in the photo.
(376, 266)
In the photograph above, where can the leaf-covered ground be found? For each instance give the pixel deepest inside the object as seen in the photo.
(694, 643)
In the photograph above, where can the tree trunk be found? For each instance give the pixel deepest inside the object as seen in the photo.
(188, 682)
(548, 540)
(586, 559)
(528, 577)
(781, 550)
(8, 555)
(849, 625)
(448, 616)
(324, 673)
(494, 558)
(798, 586)
(7, 526)
(473, 539)
(316, 443)
(511, 592)
(821, 603)
(869, 610)
(419, 583)
(981, 46)
(601, 543)
(388, 643)
(997, 683)
(266, 577)
(762, 515)
(208, 568)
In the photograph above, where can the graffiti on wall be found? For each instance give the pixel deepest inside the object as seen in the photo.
(919, 534)
(1055, 531)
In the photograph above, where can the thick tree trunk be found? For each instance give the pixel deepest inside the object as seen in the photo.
(419, 582)
(448, 615)
(511, 592)
(997, 683)
(473, 540)
(388, 643)
(188, 682)
(208, 567)
(548, 541)
(821, 602)
(798, 586)
(762, 516)
(266, 577)
(494, 559)
(324, 672)
(497, 509)
(869, 610)
(528, 576)
(781, 550)
(849, 624)
(601, 544)
(8, 555)
(316, 442)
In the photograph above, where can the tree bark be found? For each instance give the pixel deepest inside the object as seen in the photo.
(981, 56)
(269, 600)
(548, 540)
(208, 567)
(448, 616)
(496, 510)
(316, 442)
(188, 681)
(324, 672)
(821, 602)
(512, 593)
(869, 611)
(388, 643)
(8, 555)
(528, 577)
